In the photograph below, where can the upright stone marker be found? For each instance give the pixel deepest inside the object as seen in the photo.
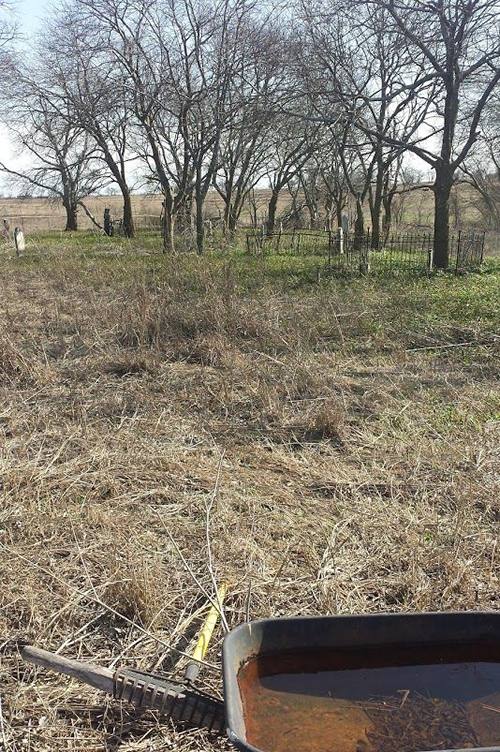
(19, 241)
(345, 223)
(340, 240)
(108, 224)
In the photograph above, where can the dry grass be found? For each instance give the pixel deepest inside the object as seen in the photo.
(42, 214)
(357, 473)
(35, 214)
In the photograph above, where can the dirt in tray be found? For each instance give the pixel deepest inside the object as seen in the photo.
(400, 700)
(419, 723)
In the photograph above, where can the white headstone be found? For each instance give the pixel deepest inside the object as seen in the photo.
(340, 239)
(19, 240)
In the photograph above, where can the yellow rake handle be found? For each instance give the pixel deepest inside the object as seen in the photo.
(206, 633)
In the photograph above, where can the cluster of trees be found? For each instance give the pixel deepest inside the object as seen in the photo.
(325, 99)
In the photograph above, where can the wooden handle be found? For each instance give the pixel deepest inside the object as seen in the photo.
(142, 690)
(200, 651)
(100, 678)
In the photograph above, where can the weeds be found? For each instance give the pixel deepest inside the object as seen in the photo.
(358, 470)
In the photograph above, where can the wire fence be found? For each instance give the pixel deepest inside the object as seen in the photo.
(358, 254)
(55, 222)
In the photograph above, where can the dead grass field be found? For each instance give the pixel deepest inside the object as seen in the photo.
(43, 214)
(334, 446)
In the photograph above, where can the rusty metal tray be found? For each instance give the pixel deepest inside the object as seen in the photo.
(272, 636)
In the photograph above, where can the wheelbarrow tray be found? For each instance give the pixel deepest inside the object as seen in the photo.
(337, 633)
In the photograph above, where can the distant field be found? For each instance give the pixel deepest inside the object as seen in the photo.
(334, 445)
(36, 214)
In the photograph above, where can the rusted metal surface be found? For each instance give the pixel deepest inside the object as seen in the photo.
(371, 700)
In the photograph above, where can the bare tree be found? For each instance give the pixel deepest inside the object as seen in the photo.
(292, 144)
(481, 169)
(357, 67)
(392, 176)
(60, 157)
(208, 97)
(178, 58)
(486, 199)
(87, 88)
(8, 33)
(251, 101)
(453, 47)
(335, 161)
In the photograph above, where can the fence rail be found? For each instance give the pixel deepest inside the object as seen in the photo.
(356, 254)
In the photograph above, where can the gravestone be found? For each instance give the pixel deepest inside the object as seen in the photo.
(108, 224)
(19, 240)
(340, 240)
(345, 223)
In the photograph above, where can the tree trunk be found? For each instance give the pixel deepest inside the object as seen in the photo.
(168, 226)
(442, 190)
(359, 225)
(183, 213)
(271, 212)
(228, 201)
(128, 218)
(312, 216)
(200, 227)
(71, 217)
(253, 209)
(387, 218)
(233, 221)
(90, 215)
(339, 205)
(375, 211)
(375, 216)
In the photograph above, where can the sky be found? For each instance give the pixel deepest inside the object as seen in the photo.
(28, 14)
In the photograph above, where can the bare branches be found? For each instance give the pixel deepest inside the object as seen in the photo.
(61, 158)
(8, 34)
(411, 77)
(201, 95)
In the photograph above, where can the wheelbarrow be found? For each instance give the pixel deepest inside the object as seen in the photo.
(328, 684)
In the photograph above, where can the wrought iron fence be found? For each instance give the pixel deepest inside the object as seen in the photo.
(356, 254)
(467, 251)
(294, 242)
(402, 253)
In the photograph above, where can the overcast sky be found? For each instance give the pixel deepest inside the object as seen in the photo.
(29, 14)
